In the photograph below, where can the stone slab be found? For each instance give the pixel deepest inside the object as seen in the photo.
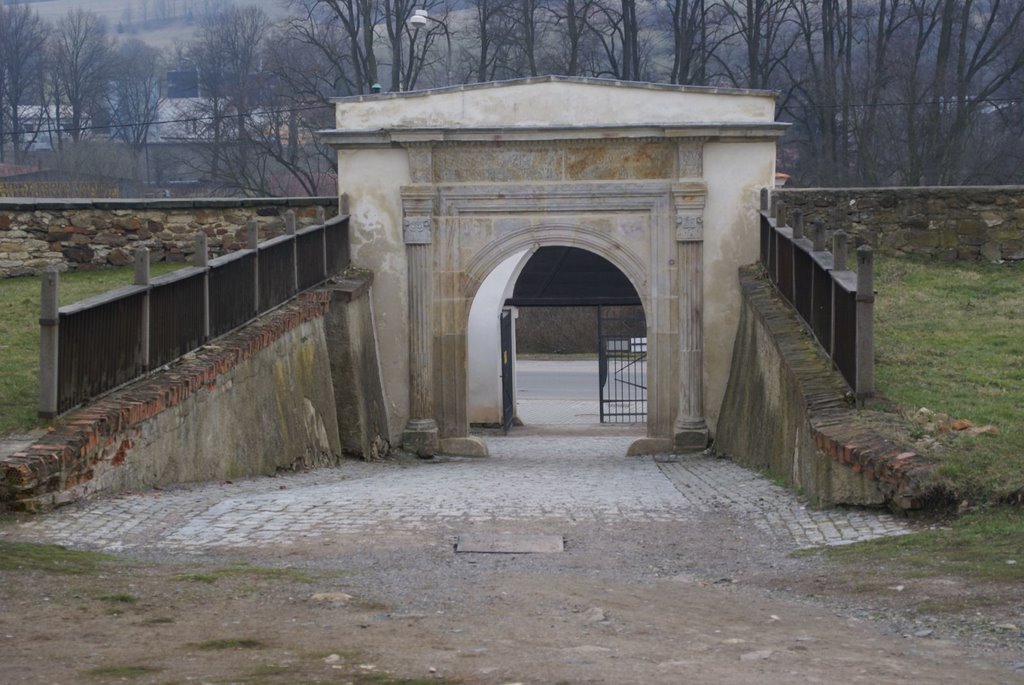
(506, 543)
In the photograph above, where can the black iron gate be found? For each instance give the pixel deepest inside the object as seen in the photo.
(507, 397)
(622, 363)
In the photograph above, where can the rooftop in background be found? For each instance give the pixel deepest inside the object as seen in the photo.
(17, 169)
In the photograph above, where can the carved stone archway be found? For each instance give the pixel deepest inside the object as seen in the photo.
(470, 179)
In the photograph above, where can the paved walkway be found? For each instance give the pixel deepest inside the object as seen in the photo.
(573, 480)
(558, 412)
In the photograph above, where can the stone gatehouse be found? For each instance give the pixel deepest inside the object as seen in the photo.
(662, 181)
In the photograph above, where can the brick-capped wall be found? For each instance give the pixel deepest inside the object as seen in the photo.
(949, 223)
(786, 411)
(194, 420)
(87, 234)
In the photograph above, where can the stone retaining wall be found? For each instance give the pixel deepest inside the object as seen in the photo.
(86, 234)
(786, 411)
(194, 421)
(298, 388)
(950, 223)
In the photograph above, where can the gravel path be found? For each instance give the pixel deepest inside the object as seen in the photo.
(669, 574)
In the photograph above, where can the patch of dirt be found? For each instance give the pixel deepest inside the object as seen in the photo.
(708, 601)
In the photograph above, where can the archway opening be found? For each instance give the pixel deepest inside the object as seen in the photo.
(577, 346)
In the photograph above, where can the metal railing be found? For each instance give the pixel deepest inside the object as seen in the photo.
(98, 344)
(835, 302)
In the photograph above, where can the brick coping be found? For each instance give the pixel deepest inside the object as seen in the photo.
(64, 458)
(904, 476)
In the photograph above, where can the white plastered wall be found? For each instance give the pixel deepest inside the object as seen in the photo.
(735, 173)
(484, 336)
(371, 178)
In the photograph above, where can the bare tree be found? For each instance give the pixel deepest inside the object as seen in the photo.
(977, 52)
(696, 25)
(349, 25)
(301, 79)
(134, 96)
(491, 32)
(22, 57)
(422, 43)
(227, 55)
(528, 23)
(764, 31)
(81, 52)
(572, 35)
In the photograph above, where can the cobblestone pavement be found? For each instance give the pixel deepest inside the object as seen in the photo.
(574, 480)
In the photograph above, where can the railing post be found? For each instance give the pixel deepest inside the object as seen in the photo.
(202, 260)
(781, 214)
(321, 220)
(289, 228)
(865, 385)
(839, 250)
(253, 243)
(798, 223)
(142, 278)
(818, 236)
(764, 199)
(49, 337)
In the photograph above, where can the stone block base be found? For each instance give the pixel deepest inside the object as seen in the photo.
(691, 440)
(464, 447)
(645, 446)
(420, 437)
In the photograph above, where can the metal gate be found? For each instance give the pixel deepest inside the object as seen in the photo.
(622, 363)
(507, 397)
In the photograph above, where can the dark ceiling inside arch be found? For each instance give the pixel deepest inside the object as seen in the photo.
(571, 277)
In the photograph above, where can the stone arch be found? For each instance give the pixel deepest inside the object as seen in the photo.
(528, 240)
(557, 235)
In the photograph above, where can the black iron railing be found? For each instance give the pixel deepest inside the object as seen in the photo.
(834, 301)
(94, 346)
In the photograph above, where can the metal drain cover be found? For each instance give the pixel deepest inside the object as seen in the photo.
(507, 543)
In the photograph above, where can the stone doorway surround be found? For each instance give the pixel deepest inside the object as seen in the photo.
(661, 181)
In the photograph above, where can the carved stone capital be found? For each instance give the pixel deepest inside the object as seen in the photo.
(689, 227)
(688, 203)
(418, 230)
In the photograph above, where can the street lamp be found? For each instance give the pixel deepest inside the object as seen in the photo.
(418, 20)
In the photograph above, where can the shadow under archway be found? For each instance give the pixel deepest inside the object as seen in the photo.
(579, 347)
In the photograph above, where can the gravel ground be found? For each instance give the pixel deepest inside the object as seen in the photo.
(672, 572)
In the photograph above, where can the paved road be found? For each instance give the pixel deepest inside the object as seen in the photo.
(566, 393)
(574, 480)
(556, 380)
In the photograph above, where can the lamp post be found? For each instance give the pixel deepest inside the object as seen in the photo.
(418, 20)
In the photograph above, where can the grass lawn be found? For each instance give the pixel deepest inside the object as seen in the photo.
(978, 545)
(19, 335)
(950, 337)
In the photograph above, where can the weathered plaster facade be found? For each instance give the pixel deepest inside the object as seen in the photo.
(662, 181)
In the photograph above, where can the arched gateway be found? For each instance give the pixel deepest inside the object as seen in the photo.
(661, 181)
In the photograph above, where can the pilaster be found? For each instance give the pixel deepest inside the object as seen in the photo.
(691, 430)
(420, 434)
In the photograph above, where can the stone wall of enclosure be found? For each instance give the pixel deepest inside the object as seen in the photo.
(88, 234)
(949, 223)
